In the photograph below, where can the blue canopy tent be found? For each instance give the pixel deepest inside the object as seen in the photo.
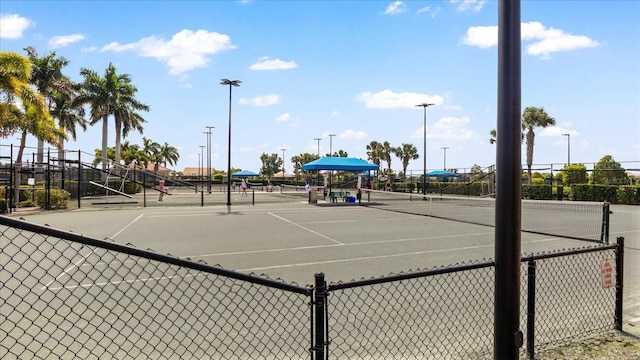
(244, 174)
(339, 163)
(444, 174)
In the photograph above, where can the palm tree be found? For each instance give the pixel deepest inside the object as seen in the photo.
(534, 117)
(374, 152)
(125, 116)
(14, 83)
(99, 155)
(386, 151)
(109, 95)
(32, 117)
(47, 77)
(152, 150)
(69, 117)
(169, 154)
(407, 152)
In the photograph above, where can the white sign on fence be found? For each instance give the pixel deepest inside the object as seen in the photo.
(607, 273)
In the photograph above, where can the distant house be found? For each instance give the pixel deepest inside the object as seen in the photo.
(162, 171)
(192, 171)
(279, 175)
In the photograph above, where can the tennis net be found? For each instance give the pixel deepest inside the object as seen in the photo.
(569, 219)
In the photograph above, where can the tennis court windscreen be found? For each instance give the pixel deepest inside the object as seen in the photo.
(569, 219)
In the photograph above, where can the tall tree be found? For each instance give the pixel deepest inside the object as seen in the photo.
(271, 164)
(338, 153)
(107, 95)
(14, 84)
(406, 153)
(534, 117)
(31, 116)
(69, 117)
(169, 154)
(374, 152)
(300, 160)
(47, 77)
(387, 151)
(609, 172)
(125, 115)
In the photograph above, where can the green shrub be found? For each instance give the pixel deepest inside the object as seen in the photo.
(559, 192)
(629, 195)
(537, 191)
(574, 174)
(58, 199)
(27, 203)
(589, 192)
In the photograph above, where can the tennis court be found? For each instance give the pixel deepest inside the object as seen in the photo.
(293, 240)
(287, 240)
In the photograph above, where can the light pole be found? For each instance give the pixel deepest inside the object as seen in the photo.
(331, 144)
(209, 157)
(202, 167)
(283, 150)
(231, 84)
(444, 168)
(330, 154)
(568, 148)
(318, 140)
(424, 148)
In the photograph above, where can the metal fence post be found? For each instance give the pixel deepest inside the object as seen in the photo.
(320, 294)
(605, 223)
(79, 178)
(531, 307)
(619, 281)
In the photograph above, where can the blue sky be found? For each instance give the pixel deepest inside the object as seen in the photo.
(355, 69)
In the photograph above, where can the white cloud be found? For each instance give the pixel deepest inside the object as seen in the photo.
(64, 40)
(452, 128)
(353, 134)
(12, 26)
(287, 118)
(263, 100)
(387, 99)
(556, 130)
(475, 5)
(276, 64)
(564, 43)
(545, 40)
(283, 117)
(396, 7)
(448, 128)
(187, 49)
(481, 36)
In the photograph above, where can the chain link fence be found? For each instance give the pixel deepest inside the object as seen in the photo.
(67, 296)
(64, 295)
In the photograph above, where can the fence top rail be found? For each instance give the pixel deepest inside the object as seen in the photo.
(585, 250)
(457, 268)
(148, 254)
(408, 275)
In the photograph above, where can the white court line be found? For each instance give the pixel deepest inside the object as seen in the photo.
(84, 258)
(88, 285)
(105, 283)
(304, 228)
(375, 257)
(126, 226)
